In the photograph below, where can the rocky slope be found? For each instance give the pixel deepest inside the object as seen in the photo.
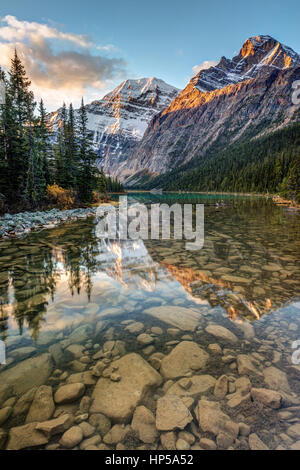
(248, 95)
(119, 120)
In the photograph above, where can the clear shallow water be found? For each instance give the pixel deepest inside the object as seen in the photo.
(64, 287)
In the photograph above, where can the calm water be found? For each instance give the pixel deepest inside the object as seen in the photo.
(65, 287)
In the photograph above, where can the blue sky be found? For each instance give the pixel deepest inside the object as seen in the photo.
(162, 38)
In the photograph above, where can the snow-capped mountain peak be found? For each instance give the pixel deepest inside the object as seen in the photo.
(257, 56)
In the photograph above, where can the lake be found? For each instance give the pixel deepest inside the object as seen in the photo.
(145, 345)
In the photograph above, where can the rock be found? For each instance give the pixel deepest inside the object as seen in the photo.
(42, 407)
(5, 392)
(168, 440)
(117, 400)
(135, 328)
(197, 385)
(22, 353)
(184, 359)
(21, 437)
(85, 404)
(87, 429)
(145, 339)
(5, 414)
(214, 349)
(55, 426)
(57, 354)
(294, 431)
(75, 351)
(156, 330)
(246, 366)
(220, 332)
(247, 329)
(207, 444)
(30, 373)
(143, 422)
(118, 433)
(23, 404)
(212, 419)
(72, 437)
(276, 379)
(69, 393)
(255, 443)
(100, 422)
(224, 440)
(221, 387)
(267, 397)
(187, 436)
(172, 414)
(183, 318)
(244, 429)
(85, 378)
(181, 444)
(90, 443)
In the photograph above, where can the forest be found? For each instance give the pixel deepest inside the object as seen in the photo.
(36, 169)
(269, 164)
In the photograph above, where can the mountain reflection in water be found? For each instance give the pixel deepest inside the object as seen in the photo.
(248, 266)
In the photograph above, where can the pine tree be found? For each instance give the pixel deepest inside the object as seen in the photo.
(36, 176)
(71, 155)
(87, 169)
(19, 104)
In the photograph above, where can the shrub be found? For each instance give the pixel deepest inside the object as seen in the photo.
(62, 198)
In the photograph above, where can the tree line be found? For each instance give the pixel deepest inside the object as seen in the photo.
(31, 159)
(270, 164)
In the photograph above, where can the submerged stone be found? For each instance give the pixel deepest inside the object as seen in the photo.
(117, 400)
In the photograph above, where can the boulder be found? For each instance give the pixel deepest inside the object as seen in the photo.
(172, 413)
(42, 407)
(222, 333)
(255, 443)
(21, 437)
(270, 398)
(246, 366)
(117, 400)
(55, 426)
(143, 422)
(186, 358)
(27, 374)
(185, 319)
(72, 437)
(212, 419)
(221, 387)
(69, 393)
(276, 379)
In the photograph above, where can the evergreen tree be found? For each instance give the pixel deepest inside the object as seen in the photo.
(70, 170)
(87, 157)
(19, 107)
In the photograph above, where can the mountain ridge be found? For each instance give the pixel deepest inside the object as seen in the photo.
(254, 86)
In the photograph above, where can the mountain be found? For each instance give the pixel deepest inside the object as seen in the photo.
(119, 120)
(238, 100)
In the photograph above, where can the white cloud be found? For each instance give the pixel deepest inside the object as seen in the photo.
(69, 70)
(205, 65)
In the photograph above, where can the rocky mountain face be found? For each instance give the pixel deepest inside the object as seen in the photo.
(246, 96)
(118, 121)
